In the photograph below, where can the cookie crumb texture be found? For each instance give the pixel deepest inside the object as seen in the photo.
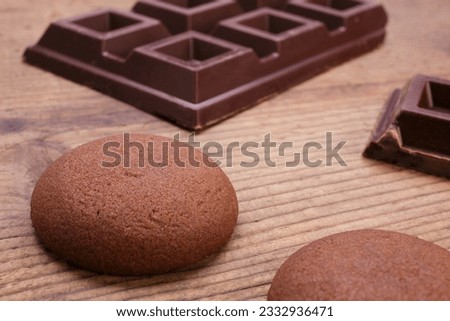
(364, 265)
(136, 220)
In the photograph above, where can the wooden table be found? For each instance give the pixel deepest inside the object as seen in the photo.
(281, 209)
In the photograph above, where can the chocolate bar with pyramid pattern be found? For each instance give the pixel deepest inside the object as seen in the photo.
(414, 127)
(197, 62)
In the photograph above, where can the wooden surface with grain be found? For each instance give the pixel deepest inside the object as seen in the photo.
(281, 209)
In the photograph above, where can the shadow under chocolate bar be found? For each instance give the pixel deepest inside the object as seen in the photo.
(413, 130)
(197, 62)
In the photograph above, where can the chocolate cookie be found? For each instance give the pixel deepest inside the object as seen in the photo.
(364, 265)
(134, 205)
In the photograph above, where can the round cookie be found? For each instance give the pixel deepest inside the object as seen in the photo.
(99, 208)
(364, 265)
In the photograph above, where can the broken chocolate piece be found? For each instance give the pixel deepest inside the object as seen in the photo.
(197, 62)
(414, 128)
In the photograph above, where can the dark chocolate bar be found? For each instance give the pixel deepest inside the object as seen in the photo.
(414, 128)
(197, 62)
